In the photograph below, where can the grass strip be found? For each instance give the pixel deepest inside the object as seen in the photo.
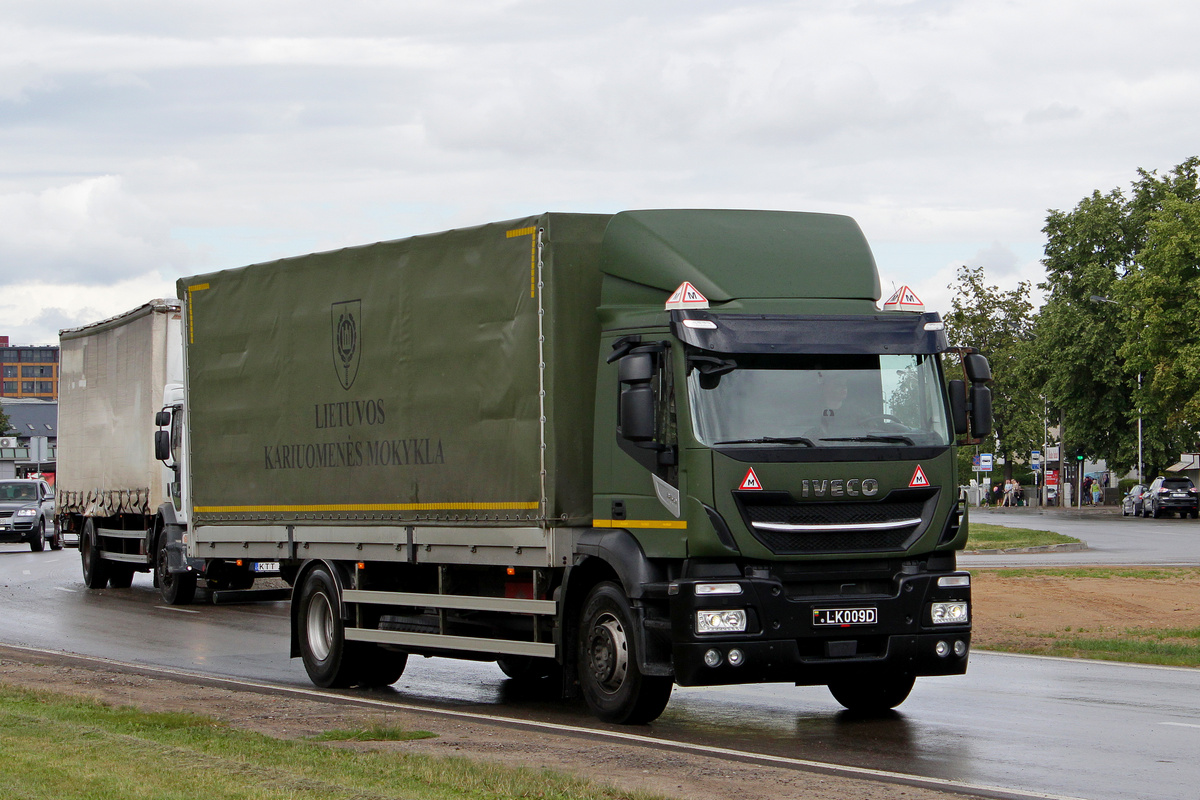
(983, 536)
(1144, 647)
(374, 734)
(1104, 573)
(60, 748)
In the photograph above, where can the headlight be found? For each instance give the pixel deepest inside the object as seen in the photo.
(720, 621)
(26, 512)
(950, 613)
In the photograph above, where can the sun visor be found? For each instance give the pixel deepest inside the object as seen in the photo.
(795, 334)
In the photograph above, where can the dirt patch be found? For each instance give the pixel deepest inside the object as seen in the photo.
(1025, 611)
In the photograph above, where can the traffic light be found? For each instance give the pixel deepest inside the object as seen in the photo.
(1079, 455)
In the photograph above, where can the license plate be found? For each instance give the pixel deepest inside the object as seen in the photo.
(266, 566)
(843, 617)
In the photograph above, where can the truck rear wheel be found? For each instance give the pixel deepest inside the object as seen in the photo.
(95, 568)
(322, 633)
(120, 576)
(613, 686)
(872, 696)
(177, 589)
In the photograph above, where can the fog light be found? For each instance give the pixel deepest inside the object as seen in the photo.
(712, 658)
(736, 657)
(942, 649)
(960, 648)
(950, 613)
(728, 621)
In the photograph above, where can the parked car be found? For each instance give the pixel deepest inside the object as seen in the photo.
(26, 511)
(1166, 495)
(1132, 502)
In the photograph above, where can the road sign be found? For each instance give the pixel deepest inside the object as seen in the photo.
(1052, 453)
(1035, 460)
(1052, 477)
(985, 462)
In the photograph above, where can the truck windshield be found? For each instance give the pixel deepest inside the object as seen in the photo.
(822, 401)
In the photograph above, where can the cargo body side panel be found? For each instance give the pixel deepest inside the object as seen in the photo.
(397, 384)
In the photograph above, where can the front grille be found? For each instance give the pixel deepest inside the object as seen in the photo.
(787, 527)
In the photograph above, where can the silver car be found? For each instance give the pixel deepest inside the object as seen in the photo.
(26, 511)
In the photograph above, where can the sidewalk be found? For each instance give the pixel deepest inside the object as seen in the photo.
(1077, 513)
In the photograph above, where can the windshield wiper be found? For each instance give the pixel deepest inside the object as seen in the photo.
(871, 438)
(772, 440)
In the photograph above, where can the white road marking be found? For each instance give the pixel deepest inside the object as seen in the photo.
(1181, 724)
(65, 589)
(180, 610)
(819, 766)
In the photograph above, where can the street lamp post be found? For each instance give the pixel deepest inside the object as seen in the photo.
(1141, 477)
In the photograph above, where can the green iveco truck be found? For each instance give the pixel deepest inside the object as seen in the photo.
(619, 451)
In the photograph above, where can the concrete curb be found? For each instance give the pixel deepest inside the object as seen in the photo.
(1068, 547)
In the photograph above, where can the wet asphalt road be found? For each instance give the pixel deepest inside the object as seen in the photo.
(1070, 728)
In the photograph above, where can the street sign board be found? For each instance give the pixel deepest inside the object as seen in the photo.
(1035, 460)
(985, 462)
(1052, 453)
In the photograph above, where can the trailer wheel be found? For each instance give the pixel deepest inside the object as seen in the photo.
(613, 686)
(322, 633)
(177, 589)
(37, 541)
(95, 568)
(120, 576)
(866, 695)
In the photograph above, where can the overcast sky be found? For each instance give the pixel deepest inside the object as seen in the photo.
(144, 141)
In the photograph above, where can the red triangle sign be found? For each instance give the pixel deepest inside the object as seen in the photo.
(750, 482)
(686, 296)
(918, 478)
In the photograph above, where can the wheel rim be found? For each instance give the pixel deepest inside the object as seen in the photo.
(165, 578)
(608, 653)
(320, 626)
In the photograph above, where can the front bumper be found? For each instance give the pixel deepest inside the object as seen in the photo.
(783, 644)
(17, 529)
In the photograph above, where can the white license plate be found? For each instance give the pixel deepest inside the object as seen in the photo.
(843, 617)
(266, 566)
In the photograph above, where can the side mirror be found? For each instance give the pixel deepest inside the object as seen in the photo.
(635, 420)
(162, 418)
(162, 445)
(978, 368)
(958, 406)
(981, 411)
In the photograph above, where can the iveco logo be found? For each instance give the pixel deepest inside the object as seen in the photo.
(854, 487)
(347, 340)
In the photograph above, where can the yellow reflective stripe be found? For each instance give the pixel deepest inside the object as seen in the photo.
(532, 255)
(199, 287)
(640, 523)
(371, 507)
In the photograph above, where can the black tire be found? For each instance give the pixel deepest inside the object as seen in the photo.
(95, 568)
(865, 696)
(527, 669)
(378, 667)
(611, 683)
(56, 541)
(38, 543)
(120, 576)
(1195, 514)
(1157, 513)
(322, 634)
(177, 589)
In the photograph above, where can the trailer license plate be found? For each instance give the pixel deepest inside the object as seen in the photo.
(842, 617)
(266, 566)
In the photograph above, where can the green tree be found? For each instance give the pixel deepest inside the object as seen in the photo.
(5, 422)
(1105, 261)
(999, 324)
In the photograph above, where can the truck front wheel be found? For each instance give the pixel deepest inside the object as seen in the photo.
(95, 568)
(322, 633)
(613, 686)
(869, 695)
(177, 589)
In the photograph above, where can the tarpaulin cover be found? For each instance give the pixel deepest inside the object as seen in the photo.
(111, 379)
(398, 380)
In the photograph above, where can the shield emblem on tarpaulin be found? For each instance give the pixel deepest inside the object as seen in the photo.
(347, 340)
